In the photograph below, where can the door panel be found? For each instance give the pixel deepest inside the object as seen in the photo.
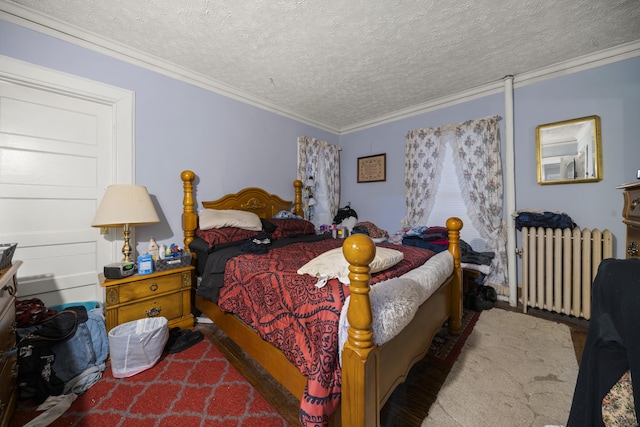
(57, 151)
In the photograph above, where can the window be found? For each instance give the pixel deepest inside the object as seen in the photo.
(449, 202)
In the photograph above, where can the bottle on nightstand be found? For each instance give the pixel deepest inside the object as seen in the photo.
(153, 249)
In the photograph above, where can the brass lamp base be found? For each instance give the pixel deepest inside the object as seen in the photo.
(126, 249)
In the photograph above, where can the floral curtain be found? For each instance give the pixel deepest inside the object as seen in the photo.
(423, 164)
(478, 163)
(320, 160)
(476, 153)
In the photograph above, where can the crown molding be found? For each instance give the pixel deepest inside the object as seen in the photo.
(598, 59)
(437, 104)
(36, 21)
(33, 20)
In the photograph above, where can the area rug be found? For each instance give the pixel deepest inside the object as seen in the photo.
(196, 387)
(514, 370)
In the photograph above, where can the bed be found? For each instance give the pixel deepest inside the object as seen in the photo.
(369, 372)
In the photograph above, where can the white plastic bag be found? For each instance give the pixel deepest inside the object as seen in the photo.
(137, 345)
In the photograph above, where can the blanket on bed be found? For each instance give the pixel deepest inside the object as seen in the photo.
(212, 277)
(287, 310)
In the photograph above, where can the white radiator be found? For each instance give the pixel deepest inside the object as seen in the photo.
(558, 268)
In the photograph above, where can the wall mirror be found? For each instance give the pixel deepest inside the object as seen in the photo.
(569, 151)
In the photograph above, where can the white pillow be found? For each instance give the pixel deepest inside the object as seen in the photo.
(214, 218)
(332, 264)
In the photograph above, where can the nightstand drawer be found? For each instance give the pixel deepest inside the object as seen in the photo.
(162, 293)
(149, 287)
(169, 306)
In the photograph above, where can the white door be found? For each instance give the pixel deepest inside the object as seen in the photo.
(59, 149)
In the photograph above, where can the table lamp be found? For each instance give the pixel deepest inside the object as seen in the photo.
(125, 205)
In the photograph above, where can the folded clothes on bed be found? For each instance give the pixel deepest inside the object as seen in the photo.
(426, 231)
(467, 254)
(419, 242)
(484, 269)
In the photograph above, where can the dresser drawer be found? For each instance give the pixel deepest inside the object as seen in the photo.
(149, 287)
(8, 375)
(632, 204)
(169, 306)
(7, 328)
(633, 241)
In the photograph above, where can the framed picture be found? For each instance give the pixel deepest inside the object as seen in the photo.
(372, 168)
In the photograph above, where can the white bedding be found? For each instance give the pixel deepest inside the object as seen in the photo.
(394, 302)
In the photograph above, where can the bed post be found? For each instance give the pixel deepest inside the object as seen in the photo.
(189, 217)
(359, 356)
(297, 201)
(455, 323)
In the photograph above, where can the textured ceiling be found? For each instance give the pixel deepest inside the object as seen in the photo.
(343, 62)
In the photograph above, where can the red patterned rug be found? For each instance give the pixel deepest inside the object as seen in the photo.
(445, 348)
(196, 387)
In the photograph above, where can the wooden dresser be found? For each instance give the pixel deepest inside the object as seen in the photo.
(165, 293)
(631, 214)
(8, 355)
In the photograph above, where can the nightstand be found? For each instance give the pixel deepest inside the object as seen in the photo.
(469, 279)
(164, 293)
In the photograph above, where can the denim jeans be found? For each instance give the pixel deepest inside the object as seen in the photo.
(88, 348)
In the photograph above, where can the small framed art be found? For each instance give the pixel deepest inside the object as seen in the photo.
(372, 168)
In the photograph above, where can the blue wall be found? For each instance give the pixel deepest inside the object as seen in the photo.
(610, 91)
(231, 145)
(228, 144)
(383, 203)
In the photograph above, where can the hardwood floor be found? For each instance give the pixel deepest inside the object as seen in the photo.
(410, 402)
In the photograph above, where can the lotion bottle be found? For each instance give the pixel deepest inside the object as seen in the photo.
(153, 249)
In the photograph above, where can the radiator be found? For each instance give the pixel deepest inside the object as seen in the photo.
(558, 268)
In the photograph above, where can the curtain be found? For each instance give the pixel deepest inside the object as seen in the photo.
(476, 153)
(320, 160)
(479, 166)
(423, 164)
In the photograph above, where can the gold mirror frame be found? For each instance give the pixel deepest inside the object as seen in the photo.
(569, 152)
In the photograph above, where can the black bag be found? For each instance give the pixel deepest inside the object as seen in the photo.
(480, 298)
(36, 376)
(344, 213)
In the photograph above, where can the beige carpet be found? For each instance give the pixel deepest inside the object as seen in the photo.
(514, 371)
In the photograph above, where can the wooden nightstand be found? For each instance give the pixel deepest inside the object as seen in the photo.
(469, 277)
(164, 293)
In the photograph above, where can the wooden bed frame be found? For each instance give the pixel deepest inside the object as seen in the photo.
(370, 373)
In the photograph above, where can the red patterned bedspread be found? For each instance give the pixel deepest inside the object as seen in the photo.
(287, 310)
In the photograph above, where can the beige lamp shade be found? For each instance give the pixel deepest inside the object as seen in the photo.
(125, 204)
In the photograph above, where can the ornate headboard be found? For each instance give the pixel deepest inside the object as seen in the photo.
(251, 199)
